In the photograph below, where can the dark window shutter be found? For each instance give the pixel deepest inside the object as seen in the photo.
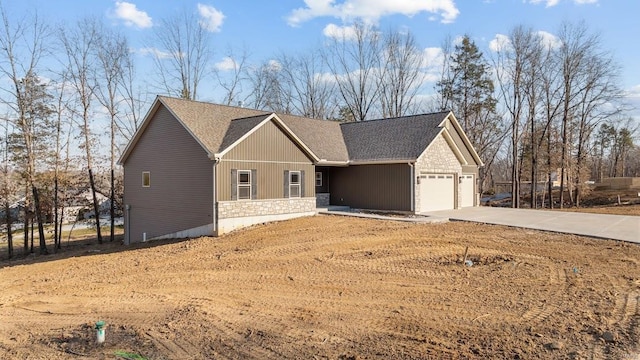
(234, 184)
(286, 183)
(254, 187)
(301, 183)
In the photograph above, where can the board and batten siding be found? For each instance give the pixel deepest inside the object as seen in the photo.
(268, 143)
(270, 152)
(379, 187)
(180, 195)
(270, 178)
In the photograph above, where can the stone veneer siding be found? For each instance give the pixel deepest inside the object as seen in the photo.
(322, 199)
(439, 159)
(248, 208)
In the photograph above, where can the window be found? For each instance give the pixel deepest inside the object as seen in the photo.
(146, 179)
(318, 178)
(244, 184)
(294, 184)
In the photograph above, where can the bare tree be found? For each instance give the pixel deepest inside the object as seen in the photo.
(599, 91)
(512, 60)
(355, 62)
(112, 53)
(266, 85)
(129, 120)
(80, 44)
(311, 93)
(23, 45)
(183, 55)
(236, 71)
(571, 56)
(8, 188)
(403, 74)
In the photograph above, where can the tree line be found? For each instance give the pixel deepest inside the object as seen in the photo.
(537, 108)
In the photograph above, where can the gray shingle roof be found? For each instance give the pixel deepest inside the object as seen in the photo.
(218, 126)
(323, 137)
(402, 138)
(238, 127)
(207, 122)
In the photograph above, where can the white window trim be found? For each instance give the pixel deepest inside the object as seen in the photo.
(293, 185)
(148, 173)
(320, 178)
(240, 185)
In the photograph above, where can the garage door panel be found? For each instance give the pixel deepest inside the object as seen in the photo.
(437, 192)
(467, 190)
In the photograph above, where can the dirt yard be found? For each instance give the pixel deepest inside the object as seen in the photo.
(631, 210)
(329, 287)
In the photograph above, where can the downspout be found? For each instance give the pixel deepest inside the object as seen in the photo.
(412, 183)
(215, 197)
(127, 230)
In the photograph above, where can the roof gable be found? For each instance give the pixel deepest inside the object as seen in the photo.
(457, 133)
(241, 129)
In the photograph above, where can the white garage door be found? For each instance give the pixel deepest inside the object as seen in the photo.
(437, 192)
(467, 192)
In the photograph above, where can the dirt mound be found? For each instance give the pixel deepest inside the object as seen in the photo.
(329, 287)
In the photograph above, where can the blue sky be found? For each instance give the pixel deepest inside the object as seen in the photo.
(267, 28)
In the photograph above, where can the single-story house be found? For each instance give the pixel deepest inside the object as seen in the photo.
(196, 168)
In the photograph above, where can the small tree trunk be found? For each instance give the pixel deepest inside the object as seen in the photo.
(549, 171)
(112, 209)
(26, 229)
(60, 227)
(55, 214)
(7, 212)
(36, 200)
(95, 205)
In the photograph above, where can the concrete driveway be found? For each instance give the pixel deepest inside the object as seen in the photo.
(618, 227)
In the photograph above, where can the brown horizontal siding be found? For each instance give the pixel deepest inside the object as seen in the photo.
(382, 187)
(268, 143)
(181, 193)
(270, 177)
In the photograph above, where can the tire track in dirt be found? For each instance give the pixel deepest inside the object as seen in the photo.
(553, 302)
(171, 347)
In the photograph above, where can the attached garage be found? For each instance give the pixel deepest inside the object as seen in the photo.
(467, 190)
(437, 192)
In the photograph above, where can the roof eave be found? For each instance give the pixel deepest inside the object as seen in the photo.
(382, 161)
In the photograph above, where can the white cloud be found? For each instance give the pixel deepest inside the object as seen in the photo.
(211, 18)
(226, 64)
(372, 10)
(129, 13)
(154, 52)
(549, 40)
(274, 65)
(500, 43)
(552, 3)
(549, 3)
(340, 32)
(325, 77)
(433, 57)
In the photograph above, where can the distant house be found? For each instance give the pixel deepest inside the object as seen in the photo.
(196, 168)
